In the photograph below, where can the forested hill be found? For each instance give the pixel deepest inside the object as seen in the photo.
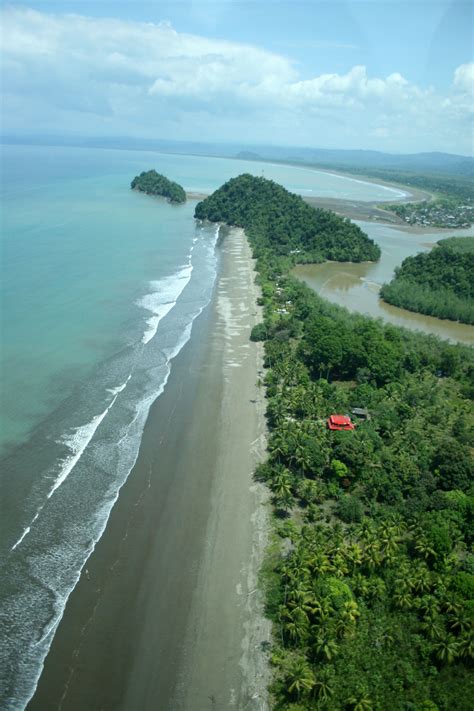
(152, 183)
(438, 283)
(281, 221)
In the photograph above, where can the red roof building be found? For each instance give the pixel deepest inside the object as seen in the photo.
(340, 422)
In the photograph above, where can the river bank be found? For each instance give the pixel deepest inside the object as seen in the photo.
(166, 614)
(358, 210)
(356, 286)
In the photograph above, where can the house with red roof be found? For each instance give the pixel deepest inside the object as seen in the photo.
(340, 422)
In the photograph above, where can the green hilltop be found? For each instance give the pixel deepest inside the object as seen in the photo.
(153, 183)
(277, 219)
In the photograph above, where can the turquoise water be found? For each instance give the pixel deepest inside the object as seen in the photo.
(100, 287)
(69, 226)
(76, 257)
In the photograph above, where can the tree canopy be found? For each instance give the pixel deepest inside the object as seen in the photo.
(281, 221)
(438, 283)
(370, 580)
(153, 183)
(372, 594)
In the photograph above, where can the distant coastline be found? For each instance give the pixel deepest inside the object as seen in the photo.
(353, 209)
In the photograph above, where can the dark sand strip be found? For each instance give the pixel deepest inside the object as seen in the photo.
(166, 615)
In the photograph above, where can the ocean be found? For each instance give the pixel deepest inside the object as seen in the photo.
(100, 288)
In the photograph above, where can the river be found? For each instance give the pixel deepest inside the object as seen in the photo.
(356, 286)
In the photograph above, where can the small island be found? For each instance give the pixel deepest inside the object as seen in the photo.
(152, 183)
(438, 283)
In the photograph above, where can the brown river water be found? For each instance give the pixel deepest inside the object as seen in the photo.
(356, 286)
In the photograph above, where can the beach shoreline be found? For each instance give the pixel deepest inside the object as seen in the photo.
(167, 613)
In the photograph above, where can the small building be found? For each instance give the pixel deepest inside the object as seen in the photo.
(340, 422)
(361, 413)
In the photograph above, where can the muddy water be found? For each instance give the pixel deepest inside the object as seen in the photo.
(356, 286)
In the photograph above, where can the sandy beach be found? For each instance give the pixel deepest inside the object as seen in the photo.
(167, 614)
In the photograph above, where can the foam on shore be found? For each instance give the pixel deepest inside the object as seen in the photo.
(55, 568)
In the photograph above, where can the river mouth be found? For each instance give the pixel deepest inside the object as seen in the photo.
(357, 286)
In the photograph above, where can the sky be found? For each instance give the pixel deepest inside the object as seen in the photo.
(389, 75)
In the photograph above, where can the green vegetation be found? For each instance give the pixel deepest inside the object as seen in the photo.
(282, 222)
(152, 183)
(372, 592)
(438, 283)
(370, 581)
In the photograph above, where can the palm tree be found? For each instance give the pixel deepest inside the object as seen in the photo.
(460, 622)
(322, 689)
(295, 623)
(345, 628)
(302, 458)
(361, 585)
(284, 502)
(422, 580)
(339, 565)
(403, 600)
(322, 609)
(377, 588)
(289, 573)
(346, 623)
(354, 555)
(395, 524)
(447, 649)
(389, 540)
(300, 599)
(452, 604)
(429, 605)
(425, 549)
(433, 626)
(299, 678)
(325, 647)
(350, 610)
(302, 558)
(320, 563)
(281, 483)
(337, 534)
(276, 411)
(466, 645)
(360, 702)
(372, 556)
(278, 447)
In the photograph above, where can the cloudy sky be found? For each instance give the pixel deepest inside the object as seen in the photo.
(393, 75)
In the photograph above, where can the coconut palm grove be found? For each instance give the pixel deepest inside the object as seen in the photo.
(369, 579)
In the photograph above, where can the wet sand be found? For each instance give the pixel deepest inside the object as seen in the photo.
(357, 210)
(166, 614)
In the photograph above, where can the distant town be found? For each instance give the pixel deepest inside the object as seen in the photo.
(436, 213)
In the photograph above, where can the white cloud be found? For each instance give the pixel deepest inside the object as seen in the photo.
(464, 78)
(69, 72)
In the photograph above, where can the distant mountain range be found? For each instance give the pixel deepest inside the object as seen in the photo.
(428, 163)
(446, 163)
